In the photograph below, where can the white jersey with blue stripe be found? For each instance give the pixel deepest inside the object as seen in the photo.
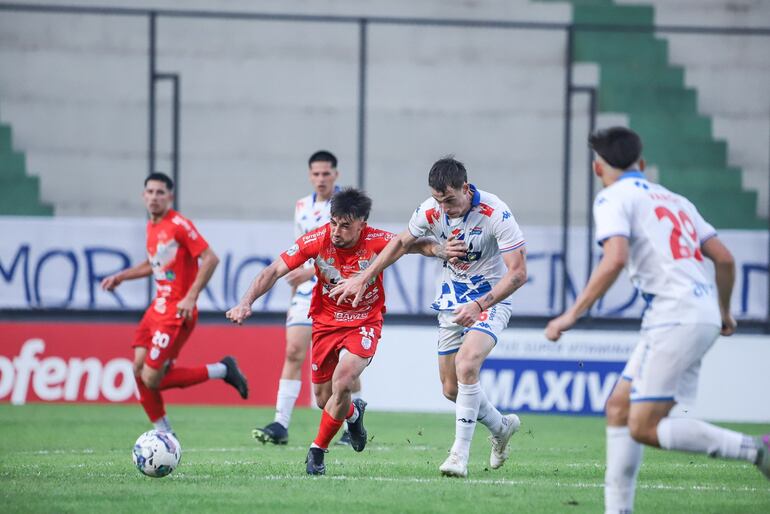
(309, 214)
(488, 229)
(665, 233)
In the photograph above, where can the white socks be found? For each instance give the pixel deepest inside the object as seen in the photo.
(692, 435)
(217, 370)
(467, 411)
(162, 425)
(489, 416)
(288, 391)
(624, 457)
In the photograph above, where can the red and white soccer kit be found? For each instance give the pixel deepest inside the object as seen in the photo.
(341, 326)
(173, 248)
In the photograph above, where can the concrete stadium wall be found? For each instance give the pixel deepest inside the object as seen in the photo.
(259, 97)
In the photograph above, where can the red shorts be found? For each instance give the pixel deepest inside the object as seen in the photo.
(328, 340)
(163, 336)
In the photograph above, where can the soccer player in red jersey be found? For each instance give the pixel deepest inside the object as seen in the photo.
(344, 338)
(174, 247)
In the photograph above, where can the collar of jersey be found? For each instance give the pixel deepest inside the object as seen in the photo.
(336, 189)
(474, 202)
(632, 174)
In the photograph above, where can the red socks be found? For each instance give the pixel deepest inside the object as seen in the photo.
(151, 401)
(184, 377)
(327, 430)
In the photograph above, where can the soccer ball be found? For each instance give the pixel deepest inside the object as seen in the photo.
(156, 454)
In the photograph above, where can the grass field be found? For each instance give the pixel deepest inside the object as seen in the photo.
(77, 458)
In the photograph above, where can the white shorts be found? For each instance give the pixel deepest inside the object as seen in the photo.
(492, 321)
(297, 315)
(665, 364)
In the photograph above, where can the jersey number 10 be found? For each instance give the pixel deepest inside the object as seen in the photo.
(678, 249)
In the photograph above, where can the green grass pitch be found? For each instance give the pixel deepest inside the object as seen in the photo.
(77, 458)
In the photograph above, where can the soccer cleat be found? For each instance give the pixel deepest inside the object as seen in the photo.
(455, 466)
(273, 433)
(356, 431)
(315, 461)
(763, 454)
(500, 448)
(344, 440)
(234, 377)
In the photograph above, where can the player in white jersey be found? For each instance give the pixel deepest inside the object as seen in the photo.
(473, 304)
(661, 240)
(311, 212)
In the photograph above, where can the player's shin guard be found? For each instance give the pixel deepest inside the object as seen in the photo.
(184, 377)
(692, 435)
(288, 392)
(327, 430)
(624, 457)
(151, 401)
(467, 411)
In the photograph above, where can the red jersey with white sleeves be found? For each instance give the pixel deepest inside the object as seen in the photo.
(333, 264)
(173, 248)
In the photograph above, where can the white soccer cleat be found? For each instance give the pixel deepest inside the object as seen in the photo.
(455, 466)
(500, 448)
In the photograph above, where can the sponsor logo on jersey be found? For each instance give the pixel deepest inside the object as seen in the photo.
(476, 231)
(350, 316)
(293, 250)
(432, 215)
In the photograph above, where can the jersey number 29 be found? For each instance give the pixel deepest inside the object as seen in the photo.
(678, 249)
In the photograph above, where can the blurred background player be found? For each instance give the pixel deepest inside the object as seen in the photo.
(311, 212)
(344, 336)
(174, 247)
(473, 304)
(661, 239)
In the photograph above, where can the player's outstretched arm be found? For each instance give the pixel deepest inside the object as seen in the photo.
(209, 262)
(514, 278)
(141, 270)
(605, 274)
(724, 267)
(355, 286)
(262, 284)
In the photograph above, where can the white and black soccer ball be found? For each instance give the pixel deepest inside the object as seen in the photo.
(156, 454)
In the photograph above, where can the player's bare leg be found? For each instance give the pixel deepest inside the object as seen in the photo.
(335, 397)
(355, 394)
(297, 343)
(624, 454)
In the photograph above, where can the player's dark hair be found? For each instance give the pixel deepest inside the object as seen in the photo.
(323, 156)
(618, 146)
(160, 177)
(350, 203)
(447, 172)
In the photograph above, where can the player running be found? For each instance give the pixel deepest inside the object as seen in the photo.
(344, 336)
(311, 212)
(474, 303)
(661, 239)
(174, 247)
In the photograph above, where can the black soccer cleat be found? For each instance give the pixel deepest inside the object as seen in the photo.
(315, 461)
(273, 433)
(344, 440)
(356, 430)
(234, 377)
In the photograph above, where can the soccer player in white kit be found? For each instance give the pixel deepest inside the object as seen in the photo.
(473, 304)
(661, 240)
(311, 212)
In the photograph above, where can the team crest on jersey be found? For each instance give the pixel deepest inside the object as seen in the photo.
(170, 275)
(293, 250)
(362, 265)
